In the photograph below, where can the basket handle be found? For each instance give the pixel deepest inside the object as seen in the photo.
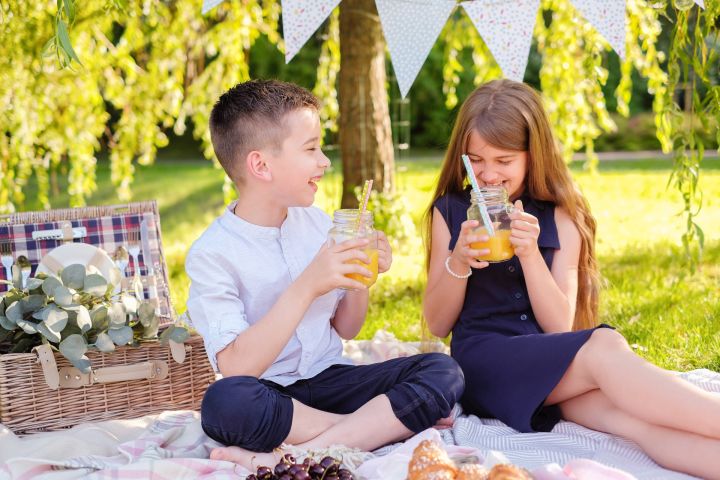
(71, 377)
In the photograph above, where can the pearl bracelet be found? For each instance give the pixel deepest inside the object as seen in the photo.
(449, 270)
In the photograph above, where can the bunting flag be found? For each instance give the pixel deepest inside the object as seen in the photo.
(300, 19)
(701, 3)
(506, 27)
(411, 28)
(209, 5)
(608, 17)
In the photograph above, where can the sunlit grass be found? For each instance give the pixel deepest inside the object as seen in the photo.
(671, 314)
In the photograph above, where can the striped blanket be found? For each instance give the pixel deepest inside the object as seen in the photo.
(172, 446)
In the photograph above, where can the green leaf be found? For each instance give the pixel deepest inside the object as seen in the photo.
(176, 334)
(121, 336)
(104, 343)
(83, 319)
(151, 329)
(95, 284)
(34, 283)
(47, 333)
(117, 315)
(14, 312)
(82, 363)
(50, 284)
(73, 276)
(130, 303)
(73, 348)
(63, 296)
(33, 303)
(146, 312)
(99, 317)
(56, 319)
(41, 314)
(64, 39)
(6, 323)
(28, 327)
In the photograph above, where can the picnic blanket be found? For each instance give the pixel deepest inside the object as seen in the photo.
(173, 446)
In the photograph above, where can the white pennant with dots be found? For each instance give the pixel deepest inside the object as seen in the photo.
(608, 17)
(300, 19)
(411, 28)
(506, 27)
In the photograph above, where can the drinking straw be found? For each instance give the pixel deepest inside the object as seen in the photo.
(476, 188)
(365, 196)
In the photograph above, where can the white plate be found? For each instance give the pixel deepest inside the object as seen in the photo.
(72, 253)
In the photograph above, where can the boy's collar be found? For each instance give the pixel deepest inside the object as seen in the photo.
(237, 224)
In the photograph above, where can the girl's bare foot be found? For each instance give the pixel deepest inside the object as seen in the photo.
(245, 458)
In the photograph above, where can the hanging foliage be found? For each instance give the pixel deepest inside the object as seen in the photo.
(132, 70)
(116, 73)
(692, 70)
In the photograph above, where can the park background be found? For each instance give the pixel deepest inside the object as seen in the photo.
(660, 284)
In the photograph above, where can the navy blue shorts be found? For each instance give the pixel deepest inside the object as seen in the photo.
(257, 414)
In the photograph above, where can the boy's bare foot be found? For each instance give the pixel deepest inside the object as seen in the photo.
(245, 458)
(444, 423)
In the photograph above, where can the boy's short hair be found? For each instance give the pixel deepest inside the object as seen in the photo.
(251, 116)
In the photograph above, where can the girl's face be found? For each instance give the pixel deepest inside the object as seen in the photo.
(497, 166)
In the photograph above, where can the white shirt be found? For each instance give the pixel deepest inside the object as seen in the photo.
(239, 270)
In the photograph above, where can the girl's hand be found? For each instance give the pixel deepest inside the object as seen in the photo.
(384, 253)
(524, 231)
(463, 254)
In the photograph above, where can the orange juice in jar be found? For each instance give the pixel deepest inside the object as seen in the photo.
(346, 226)
(496, 202)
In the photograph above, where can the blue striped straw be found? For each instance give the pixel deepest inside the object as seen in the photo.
(476, 188)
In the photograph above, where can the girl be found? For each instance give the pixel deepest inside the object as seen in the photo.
(524, 330)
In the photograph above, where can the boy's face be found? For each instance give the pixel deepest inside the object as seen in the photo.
(300, 164)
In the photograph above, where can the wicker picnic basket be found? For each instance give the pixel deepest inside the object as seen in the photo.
(42, 391)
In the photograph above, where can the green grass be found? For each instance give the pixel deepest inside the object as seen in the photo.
(668, 313)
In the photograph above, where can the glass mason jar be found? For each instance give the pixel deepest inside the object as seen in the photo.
(346, 227)
(499, 209)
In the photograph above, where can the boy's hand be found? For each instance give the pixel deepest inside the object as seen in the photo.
(328, 269)
(384, 253)
(463, 254)
(524, 231)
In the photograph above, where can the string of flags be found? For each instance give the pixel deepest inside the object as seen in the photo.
(412, 26)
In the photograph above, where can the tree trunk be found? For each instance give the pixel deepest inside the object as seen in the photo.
(365, 138)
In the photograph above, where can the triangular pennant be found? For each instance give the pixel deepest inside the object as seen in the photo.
(701, 3)
(411, 28)
(300, 19)
(506, 27)
(209, 5)
(608, 17)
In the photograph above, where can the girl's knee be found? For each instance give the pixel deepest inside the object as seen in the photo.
(607, 339)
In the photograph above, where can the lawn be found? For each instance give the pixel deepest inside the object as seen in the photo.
(668, 313)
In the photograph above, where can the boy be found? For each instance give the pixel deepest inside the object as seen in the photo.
(266, 297)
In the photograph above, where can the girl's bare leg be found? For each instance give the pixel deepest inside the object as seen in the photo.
(638, 387)
(673, 449)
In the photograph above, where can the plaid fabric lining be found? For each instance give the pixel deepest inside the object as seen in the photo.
(107, 233)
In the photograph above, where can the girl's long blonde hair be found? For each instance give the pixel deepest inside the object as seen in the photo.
(510, 115)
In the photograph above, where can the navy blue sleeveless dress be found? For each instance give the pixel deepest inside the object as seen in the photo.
(510, 365)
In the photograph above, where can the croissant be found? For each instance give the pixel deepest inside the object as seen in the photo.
(472, 471)
(430, 461)
(508, 472)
